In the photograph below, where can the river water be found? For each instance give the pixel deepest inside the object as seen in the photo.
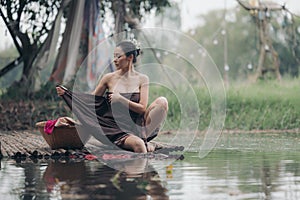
(241, 166)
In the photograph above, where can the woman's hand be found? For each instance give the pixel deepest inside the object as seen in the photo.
(114, 97)
(60, 91)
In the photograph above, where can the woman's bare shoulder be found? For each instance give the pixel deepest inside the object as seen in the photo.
(143, 77)
(108, 76)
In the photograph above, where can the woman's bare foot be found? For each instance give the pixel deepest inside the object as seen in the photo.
(150, 147)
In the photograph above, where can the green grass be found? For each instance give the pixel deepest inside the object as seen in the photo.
(264, 105)
(259, 106)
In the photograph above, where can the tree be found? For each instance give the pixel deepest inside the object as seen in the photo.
(241, 39)
(288, 47)
(244, 42)
(28, 22)
(261, 11)
(130, 13)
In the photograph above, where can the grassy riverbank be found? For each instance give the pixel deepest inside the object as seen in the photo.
(259, 106)
(266, 105)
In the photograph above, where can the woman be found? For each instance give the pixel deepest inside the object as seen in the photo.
(117, 85)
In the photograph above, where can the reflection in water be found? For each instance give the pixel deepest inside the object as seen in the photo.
(239, 168)
(92, 180)
(266, 179)
(232, 174)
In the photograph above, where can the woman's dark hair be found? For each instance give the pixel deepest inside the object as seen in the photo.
(129, 49)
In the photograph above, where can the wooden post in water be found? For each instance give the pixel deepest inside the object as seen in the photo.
(0, 154)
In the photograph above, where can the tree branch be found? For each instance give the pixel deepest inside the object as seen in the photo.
(246, 7)
(8, 10)
(261, 6)
(11, 31)
(20, 10)
(10, 66)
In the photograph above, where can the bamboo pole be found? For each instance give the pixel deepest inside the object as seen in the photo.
(24, 147)
(1, 155)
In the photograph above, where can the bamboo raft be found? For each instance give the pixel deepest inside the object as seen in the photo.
(26, 146)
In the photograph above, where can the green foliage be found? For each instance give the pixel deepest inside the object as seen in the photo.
(28, 22)
(7, 56)
(261, 106)
(174, 107)
(38, 17)
(137, 7)
(243, 41)
(265, 105)
(46, 93)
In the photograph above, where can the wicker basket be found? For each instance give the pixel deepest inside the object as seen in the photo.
(65, 137)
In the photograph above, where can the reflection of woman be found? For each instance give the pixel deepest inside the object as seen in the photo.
(113, 184)
(126, 90)
(55, 173)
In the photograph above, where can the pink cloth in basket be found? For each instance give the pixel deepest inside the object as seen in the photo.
(61, 121)
(49, 126)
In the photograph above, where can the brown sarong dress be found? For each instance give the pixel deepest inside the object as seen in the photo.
(100, 118)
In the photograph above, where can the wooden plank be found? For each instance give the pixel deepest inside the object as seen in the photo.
(25, 145)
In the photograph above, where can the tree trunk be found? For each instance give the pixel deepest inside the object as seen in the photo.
(29, 52)
(262, 52)
(265, 47)
(276, 62)
(261, 61)
(119, 11)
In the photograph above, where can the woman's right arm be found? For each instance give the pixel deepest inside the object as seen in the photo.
(102, 86)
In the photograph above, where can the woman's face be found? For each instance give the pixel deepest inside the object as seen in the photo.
(120, 59)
